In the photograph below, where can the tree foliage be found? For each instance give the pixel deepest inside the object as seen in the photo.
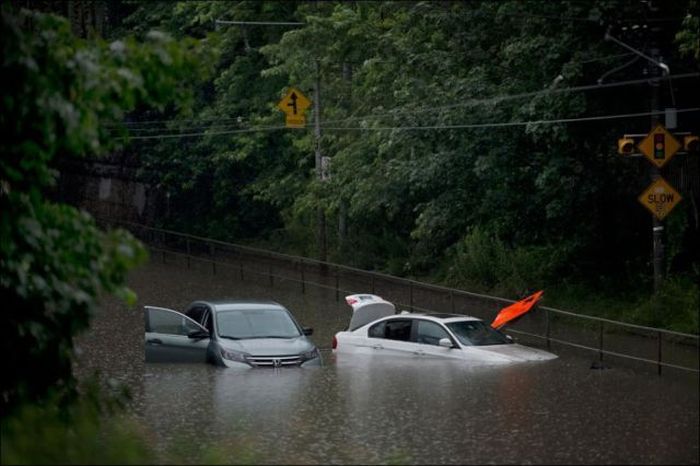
(56, 262)
(449, 125)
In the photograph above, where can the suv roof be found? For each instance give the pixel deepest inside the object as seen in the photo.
(234, 304)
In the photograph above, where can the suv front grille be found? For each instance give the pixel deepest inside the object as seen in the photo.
(274, 361)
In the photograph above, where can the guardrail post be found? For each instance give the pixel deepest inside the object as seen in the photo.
(659, 352)
(410, 295)
(372, 282)
(269, 274)
(303, 285)
(212, 251)
(337, 285)
(546, 329)
(600, 341)
(189, 253)
(452, 301)
(240, 268)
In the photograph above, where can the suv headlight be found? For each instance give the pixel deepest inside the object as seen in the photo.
(313, 354)
(234, 356)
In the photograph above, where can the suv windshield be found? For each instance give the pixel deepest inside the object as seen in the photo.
(258, 323)
(477, 333)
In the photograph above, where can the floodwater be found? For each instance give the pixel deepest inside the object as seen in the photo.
(364, 410)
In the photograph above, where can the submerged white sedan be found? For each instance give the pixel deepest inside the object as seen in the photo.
(376, 328)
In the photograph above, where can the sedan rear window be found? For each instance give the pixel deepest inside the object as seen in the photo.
(477, 333)
(263, 323)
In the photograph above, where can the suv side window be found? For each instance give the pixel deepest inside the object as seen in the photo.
(430, 333)
(202, 315)
(171, 323)
(196, 313)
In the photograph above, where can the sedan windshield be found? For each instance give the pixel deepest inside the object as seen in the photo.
(258, 323)
(477, 333)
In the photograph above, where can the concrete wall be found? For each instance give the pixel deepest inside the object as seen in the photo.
(110, 190)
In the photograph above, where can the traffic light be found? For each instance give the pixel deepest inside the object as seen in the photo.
(659, 146)
(625, 145)
(691, 143)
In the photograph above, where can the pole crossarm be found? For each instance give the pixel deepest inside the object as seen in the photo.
(258, 23)
(658, 63)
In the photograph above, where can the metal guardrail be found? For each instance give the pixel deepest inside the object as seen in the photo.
(296, 266)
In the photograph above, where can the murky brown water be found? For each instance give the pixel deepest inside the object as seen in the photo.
(363, 410)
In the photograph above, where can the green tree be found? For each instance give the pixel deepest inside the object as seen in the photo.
(56, 262)
(417, 180)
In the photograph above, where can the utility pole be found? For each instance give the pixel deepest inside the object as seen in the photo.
(658, 146)
(659, 257)
(321, 216)
(321, 222)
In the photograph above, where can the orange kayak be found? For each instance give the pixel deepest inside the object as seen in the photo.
(515, 310)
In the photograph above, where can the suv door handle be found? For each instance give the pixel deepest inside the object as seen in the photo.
(419, 352)
(378, 347)
(154, 341)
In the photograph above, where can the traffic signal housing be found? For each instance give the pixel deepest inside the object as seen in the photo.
(691, 143)
(625, 146)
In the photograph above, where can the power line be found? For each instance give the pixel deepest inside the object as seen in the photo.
(504, 98)
(181, 128)
(422, 128)
(607, 57)
(515, 123)
(469, 102)
(183, 135)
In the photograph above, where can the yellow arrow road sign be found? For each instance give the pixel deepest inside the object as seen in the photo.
(295, 121)
(659, 146)
(294, 104)
(660, 198)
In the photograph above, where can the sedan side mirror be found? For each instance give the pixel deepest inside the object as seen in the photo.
(198, 334)
(446, 343)
(307, 331)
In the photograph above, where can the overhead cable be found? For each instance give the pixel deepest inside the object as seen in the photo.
(512, 123)
(470, 102)
(422, 128)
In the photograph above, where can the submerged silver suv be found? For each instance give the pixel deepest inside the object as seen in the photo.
(229, 333)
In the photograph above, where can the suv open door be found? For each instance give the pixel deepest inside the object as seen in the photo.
(173, 337)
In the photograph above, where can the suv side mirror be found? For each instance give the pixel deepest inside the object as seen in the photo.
(307, 331)
(198, 334)
(510, 339)
(445, 343)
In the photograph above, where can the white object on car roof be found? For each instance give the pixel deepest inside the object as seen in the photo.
(367, 308)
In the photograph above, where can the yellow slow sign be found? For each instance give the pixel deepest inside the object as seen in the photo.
(660, 198)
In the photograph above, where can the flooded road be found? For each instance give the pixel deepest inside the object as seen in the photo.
(361, 410)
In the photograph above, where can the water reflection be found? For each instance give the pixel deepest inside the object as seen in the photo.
(361, 410)
(365, 410)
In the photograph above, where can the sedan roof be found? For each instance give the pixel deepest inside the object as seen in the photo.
(443, 317)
